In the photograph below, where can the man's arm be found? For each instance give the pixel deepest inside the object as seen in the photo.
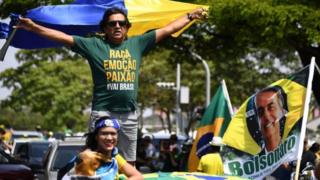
(178, 24)
(54, 35)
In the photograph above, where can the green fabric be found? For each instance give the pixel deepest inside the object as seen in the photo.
(218, 108)
(213, 124)
(115, 69)
(301, 76)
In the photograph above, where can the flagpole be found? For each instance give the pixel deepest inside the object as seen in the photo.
(6, 45)
(305, 116)
(226, 94)
(317, 67)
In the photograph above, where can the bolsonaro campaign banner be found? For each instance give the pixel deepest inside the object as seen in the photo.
(265, 132)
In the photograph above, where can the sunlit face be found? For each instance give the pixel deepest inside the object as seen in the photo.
(116, 28)
(107, 139)
(270, 112)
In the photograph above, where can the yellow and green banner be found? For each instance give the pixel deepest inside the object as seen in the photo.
(187, 176)
(214, 123)
(153, 14)
(265, 132)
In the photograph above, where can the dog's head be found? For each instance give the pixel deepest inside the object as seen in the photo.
(89, 162)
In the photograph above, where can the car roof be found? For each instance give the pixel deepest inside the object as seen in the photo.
(74, 138)
(165, 135)
(36, 133)
(70, 142)
(18, 134)
(26, 140)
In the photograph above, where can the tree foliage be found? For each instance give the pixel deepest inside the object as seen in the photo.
(244, 72)
(20, 119)
(281, 28)
(275, 25)
(60, 90)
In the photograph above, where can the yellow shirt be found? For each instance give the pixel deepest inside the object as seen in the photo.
(7, 136)
(211, 164)
(120, 160)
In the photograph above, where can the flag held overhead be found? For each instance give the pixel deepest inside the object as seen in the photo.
(4, 30)
(82, 17)
(4, 27)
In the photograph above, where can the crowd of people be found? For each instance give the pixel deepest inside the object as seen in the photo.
(311, 155)
(113, 145)
(166, 155)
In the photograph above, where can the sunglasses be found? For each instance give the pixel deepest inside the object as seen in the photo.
(114, 23)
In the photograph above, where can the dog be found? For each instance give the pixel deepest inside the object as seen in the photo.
(89, 162)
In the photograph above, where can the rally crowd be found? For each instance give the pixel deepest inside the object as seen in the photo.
(172, 155)
(113, 144)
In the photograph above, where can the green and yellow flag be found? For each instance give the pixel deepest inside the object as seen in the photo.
(214, 123)
(187, 176)
(152, 14)
(265, 132)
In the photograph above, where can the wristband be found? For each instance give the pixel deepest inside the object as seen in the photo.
(189, 16)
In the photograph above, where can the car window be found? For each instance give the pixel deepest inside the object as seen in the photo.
(22, 151)
(37, 153)
(63, 155)
(16, 147)
(39, 150)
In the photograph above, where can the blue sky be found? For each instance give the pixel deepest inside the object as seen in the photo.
(9, 62)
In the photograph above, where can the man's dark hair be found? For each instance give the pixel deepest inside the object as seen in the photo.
(110, 12)
(282, 99)
(2, 131)
(253, 121)
(315, 147)
(280, 94)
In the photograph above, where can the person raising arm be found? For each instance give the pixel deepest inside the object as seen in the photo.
(178, 24)
(52, 34)
(115, 87)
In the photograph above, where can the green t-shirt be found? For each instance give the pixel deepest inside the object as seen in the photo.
(115, 69)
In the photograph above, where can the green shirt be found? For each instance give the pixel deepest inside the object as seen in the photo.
(115, 69)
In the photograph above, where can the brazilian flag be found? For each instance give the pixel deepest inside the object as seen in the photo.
(241, 132)
(82, 17)
(187, 176)
(265, 132)
(214, 123)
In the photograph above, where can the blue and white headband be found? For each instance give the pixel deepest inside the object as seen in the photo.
(107, 123)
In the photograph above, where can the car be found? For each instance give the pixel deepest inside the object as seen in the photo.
(12, 169)
(163, 137)
(31, 153)
(59, 154)
(20, 134)
(18, 142)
